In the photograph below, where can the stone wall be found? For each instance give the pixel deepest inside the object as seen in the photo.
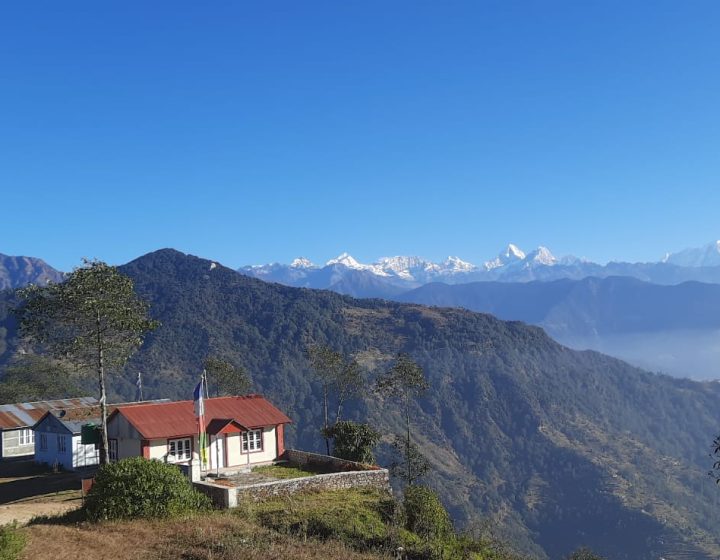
(377, 479)
(228, 497)
(315, 461)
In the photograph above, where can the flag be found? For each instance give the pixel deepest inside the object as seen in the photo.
(198, 399)
(199, 405)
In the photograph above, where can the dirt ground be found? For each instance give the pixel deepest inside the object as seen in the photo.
(27, 490)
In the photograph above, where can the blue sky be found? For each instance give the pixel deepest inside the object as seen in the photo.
(250, 132)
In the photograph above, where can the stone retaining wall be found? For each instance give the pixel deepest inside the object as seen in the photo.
(377, 479)
(316, 461)
(351, 475)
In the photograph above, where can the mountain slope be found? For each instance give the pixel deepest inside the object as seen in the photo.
(16, 272)
(563, 448)
(670, 328)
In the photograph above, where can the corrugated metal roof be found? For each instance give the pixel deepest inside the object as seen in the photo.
(25, 415)
(75, 418)
(173, 419)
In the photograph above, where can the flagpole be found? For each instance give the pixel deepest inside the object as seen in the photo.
(139, 386)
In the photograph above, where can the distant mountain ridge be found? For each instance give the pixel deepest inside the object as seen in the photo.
(672, 328)
(389, 276)
(16, 272)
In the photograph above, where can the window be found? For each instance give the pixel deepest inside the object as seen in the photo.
(61, 444)
(27, 437)
(113, 449)
(178, 450)
(252, 440)
(43, 442)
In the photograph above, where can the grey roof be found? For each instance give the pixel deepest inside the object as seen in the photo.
(25, 415)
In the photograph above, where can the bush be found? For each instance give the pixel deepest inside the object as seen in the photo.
(584, 554)
(354, 441)
(12, 542)
(139, 488)
(425, 515)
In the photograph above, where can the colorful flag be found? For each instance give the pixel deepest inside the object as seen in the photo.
(199, 403)
(198, 395)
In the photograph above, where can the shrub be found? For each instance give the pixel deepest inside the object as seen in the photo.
(425, 515)
(12, 542)
(139, 488)
(354, 441)
(584, 554)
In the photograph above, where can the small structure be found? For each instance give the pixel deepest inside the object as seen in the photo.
(17, 438)
(243, 432)
(58, 438)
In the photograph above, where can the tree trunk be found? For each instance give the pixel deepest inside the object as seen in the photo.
(407, 444)
(103, 397)
(325, 431)
(341, 400)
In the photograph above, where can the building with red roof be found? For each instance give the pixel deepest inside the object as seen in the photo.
(241, 431)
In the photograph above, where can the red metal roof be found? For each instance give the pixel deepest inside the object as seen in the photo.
(172, 419)
(224, 426)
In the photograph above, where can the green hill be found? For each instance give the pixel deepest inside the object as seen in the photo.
(559, 448)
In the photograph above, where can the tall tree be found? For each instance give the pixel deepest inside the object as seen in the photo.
(405, 381)
(228, 378)
(93, 320)
(338, 375)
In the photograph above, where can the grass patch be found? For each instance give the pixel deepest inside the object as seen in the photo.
(284, 472)
(359, 518)
(12, 542)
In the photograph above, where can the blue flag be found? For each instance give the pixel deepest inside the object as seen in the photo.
(198, 398)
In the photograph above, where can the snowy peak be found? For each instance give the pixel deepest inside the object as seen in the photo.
(456, 264)
(708, 255)
(511, 254)
(302, 262)
(542, 255)
(345, 259)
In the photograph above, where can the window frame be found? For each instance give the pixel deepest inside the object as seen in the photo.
(43, 442)
(256, 443)
(113, 449)
(26, 437)
(61, 443)
(186, 445)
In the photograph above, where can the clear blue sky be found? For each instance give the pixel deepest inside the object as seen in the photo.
(250, 132)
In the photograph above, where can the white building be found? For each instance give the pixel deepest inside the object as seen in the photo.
(58, 438)
(242, 431)
(17, 438)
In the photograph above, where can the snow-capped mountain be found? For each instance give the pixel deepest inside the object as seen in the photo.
(510, 255)
(393, 274)
(390, 276)
(302, 262)
(708, 255)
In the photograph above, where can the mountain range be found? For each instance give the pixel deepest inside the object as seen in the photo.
(16, 272)
(559, 448)
(390, 276)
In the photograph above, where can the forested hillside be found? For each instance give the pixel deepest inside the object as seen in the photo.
(558, 448)
(673, 329)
